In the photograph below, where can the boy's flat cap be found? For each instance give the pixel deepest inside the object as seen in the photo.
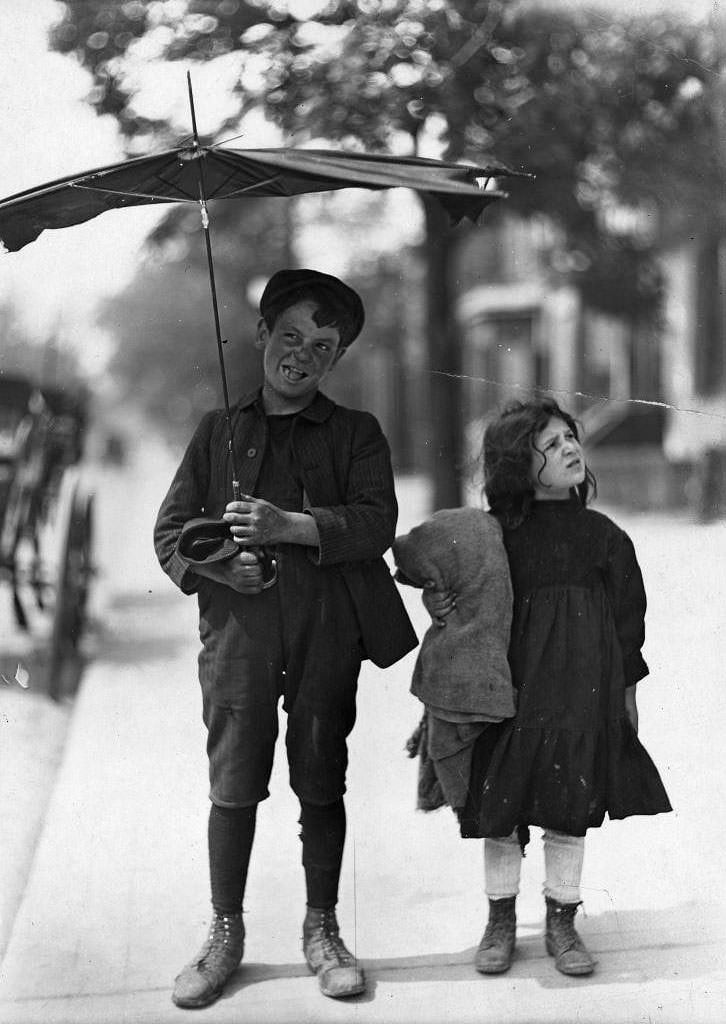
(285, 282)
(205, 540)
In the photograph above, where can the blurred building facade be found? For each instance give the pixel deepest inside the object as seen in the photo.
(694, 363)
(652, 398)
(385, 370)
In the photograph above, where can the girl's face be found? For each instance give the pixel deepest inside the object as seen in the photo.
(558, 463)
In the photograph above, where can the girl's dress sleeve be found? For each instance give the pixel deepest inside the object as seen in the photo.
(627, 597)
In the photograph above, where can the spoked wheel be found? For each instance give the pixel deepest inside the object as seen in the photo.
(75, 569)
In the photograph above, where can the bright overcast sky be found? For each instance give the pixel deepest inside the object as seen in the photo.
(56, 282)
(49, 132)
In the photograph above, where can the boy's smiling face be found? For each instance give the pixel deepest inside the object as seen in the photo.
(298, 355)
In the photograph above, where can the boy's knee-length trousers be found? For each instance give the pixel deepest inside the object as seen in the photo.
(299, 642)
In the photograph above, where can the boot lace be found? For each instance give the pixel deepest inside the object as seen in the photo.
(499, 926)
(332, 946)
(566, 935)
(222, 942)
(496, 931)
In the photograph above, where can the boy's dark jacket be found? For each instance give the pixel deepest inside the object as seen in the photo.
(344, 461)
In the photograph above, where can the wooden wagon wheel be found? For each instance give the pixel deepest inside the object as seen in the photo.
(75, 568)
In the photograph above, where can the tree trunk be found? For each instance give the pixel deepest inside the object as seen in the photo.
(444, 358)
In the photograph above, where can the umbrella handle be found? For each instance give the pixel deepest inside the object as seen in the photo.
(269, 567)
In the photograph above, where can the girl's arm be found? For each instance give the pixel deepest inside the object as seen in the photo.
(426, 556)
(628, 601)
(631, 707)
(438, 603)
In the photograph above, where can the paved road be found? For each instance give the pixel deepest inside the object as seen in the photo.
(116, 900)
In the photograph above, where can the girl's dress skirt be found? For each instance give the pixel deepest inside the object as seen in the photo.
(570, 755)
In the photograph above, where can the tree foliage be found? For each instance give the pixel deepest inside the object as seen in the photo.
(101, 34)
(167, 354)
(616, 118)
(605, 113)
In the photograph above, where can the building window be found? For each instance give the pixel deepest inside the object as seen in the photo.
(503, 358)
(710, 335)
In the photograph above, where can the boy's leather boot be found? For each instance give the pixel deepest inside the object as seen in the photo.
(202, 980)
(337, 969)
(563, 942)
(496, 948)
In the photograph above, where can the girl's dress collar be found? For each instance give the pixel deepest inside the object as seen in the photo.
(573, 502)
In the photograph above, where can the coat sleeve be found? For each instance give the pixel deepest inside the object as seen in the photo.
(363, 526)
(627, 597)
(184, 500)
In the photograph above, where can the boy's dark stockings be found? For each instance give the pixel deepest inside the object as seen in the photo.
(322, 831)
(230, 834)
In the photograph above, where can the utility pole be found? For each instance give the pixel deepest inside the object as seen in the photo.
(713, 469)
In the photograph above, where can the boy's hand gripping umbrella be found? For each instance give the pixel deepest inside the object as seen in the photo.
(194, 173)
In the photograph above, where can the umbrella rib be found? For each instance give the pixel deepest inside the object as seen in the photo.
(166, 199)
(213, 194)
(173, 184)
(249, 188)
(224, 158)
(132, 195)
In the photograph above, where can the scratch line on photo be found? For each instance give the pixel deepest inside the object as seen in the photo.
(580, 394)
(608, 894)
(355, 907)
(659, 48)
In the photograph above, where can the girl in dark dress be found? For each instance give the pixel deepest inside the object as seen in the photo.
(571, 754)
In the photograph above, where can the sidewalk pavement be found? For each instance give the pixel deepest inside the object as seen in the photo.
(117, 899)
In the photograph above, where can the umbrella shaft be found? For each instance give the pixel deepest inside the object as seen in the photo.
(210, 263)
(220, 351)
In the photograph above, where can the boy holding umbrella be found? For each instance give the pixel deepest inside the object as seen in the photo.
(317, 497)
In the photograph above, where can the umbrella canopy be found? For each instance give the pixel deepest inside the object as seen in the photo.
(196, 174)
(173, 176)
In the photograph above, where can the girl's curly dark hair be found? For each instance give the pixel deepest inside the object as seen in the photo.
(507, 458)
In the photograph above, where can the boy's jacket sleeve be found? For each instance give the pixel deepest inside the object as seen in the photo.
(184, 501)
(362, 526)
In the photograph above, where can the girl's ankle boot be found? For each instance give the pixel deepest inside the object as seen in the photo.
(496, 948)
(563, 942)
